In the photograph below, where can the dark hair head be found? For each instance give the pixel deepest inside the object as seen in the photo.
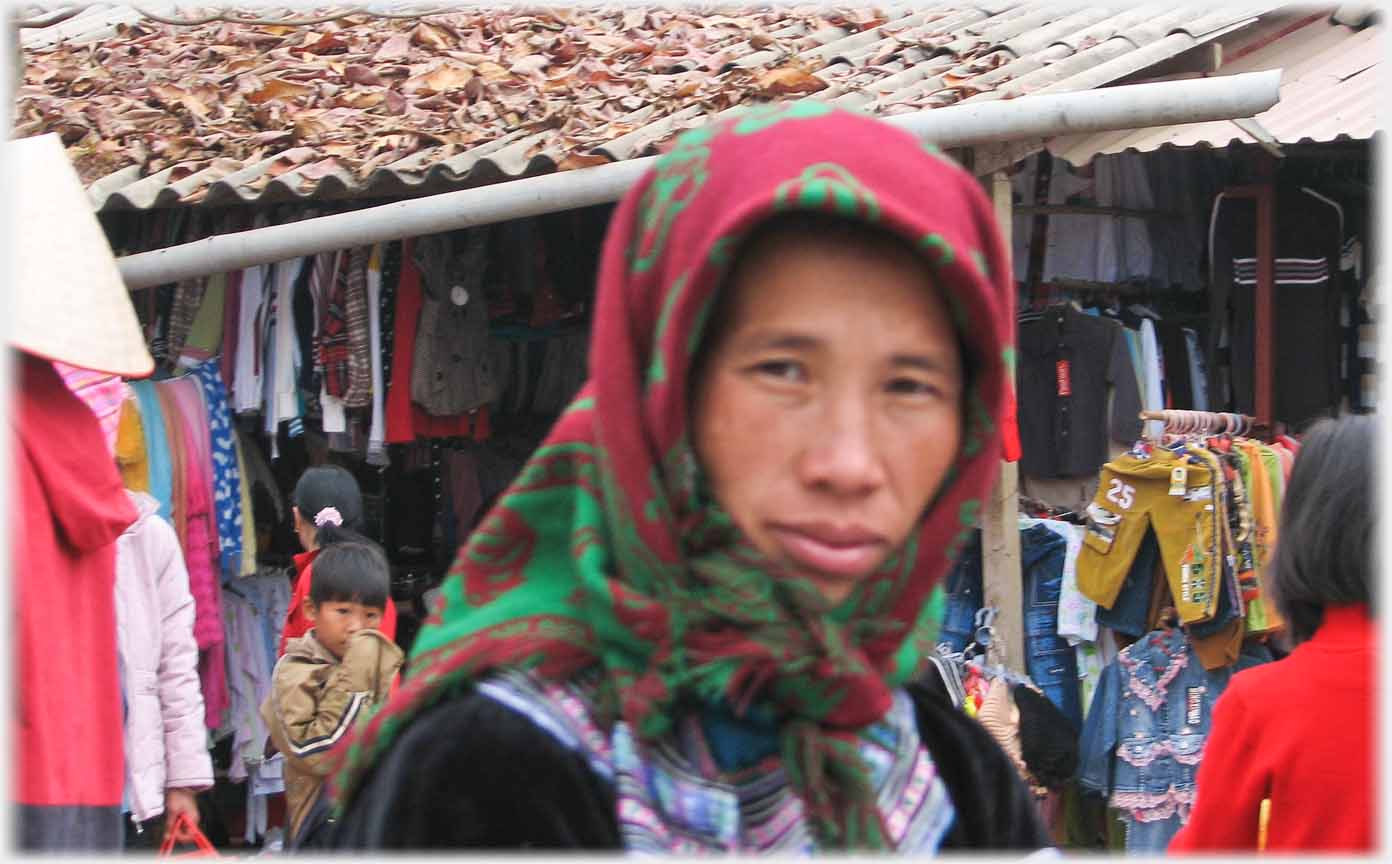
(331, 486)
(1324, 554)
(352, 570)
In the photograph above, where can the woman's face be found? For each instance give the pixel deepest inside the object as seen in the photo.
(828, 408)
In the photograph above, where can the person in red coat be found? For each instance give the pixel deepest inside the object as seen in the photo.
(68, 510)
(327, 509)
(1299, 733)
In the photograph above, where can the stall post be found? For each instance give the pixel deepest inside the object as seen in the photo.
(1000, 528)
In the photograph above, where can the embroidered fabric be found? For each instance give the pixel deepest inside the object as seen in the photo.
(1143, 754)
(1152, 695)
(1155, 806)
(671, 799)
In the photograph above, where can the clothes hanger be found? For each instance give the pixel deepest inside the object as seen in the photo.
(983, 633)
(1332, 203)
(952, 678)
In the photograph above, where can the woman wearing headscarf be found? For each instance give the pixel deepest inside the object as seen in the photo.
(689, 623)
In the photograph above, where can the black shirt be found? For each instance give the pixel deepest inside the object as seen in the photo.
(1068, 362)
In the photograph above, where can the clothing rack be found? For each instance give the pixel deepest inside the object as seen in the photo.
(1207, 422)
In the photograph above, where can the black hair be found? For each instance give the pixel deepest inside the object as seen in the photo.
(1324, 553)
(331, 486)
(353, 571)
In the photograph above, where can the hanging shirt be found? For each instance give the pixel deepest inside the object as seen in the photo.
(452, 365)
(1198, 371)
(205, 335)
(285, 404)
(131, 458)
(377, 433)
(161, 473)
(226, 475)
(406, 420)
(1068, 363)
(247, 386)
(1152, 396)
(247, 566)
(358, 392)
(1077, 614)
(231, 331)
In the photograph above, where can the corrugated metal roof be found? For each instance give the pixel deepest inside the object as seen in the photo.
(1329, 90)
(907, 59)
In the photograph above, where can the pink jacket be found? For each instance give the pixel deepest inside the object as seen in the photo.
(166, 740)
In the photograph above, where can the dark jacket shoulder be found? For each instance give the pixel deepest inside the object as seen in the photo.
(995, 809)
(472, 773)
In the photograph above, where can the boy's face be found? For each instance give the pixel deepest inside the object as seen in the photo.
(336, 621)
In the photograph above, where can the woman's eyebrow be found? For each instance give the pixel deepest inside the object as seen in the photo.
(784, 340)
(924, 362)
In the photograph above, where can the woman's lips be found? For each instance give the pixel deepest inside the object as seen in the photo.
(833, 550)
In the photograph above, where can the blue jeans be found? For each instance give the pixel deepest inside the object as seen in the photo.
(1131, 609)
(1151, 838)
(964, 596)
(1051, 662)
(1130, 612)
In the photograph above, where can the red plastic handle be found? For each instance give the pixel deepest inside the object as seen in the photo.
(205, 848)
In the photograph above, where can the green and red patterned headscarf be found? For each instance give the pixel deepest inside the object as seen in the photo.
(607, 549)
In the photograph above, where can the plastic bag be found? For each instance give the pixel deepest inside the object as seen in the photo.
(204, 847)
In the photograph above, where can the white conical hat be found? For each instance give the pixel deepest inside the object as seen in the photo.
(67, 299)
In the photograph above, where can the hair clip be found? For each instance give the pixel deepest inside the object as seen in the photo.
(329, 516)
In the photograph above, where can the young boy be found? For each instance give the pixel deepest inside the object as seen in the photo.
(330, 676)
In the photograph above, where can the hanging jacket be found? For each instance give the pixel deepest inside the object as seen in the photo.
(67, 512)
(452, 371)
(166, 741)
(1144, 736)
(405, 420)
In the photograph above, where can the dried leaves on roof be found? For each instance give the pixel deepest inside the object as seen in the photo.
(360, 93)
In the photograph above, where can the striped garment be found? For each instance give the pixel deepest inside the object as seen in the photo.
(188, 297)
(1287, 271)
(670, 799)
(333, 327)
(103, 392)
(358, 393)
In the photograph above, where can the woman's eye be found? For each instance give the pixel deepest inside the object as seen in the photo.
(782, 370)
(912, 387)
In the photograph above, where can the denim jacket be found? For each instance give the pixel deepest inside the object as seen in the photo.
(1149, 720)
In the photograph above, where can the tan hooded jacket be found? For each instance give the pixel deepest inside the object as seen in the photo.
(315, 701)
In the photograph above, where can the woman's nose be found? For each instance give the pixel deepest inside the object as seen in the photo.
(841, 456)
